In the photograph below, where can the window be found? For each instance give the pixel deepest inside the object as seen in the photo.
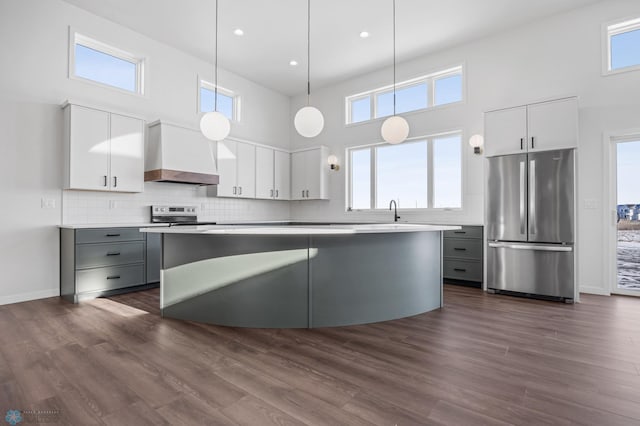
(623, 46)
(419, 174)
(228, 103)
(444, 87)
(100, 63)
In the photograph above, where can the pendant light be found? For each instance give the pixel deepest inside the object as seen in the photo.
(395, 129)
(309, 121)
(214, 125)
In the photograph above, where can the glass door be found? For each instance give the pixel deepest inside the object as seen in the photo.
(628, 216)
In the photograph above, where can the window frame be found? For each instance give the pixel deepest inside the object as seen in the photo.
(90, 42)
(429, 79)
(430, 174)
(235, 97)
(613, 28)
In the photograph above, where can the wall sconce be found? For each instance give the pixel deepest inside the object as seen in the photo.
(476, 142)
(333, 162)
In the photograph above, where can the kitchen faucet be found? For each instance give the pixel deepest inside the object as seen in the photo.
(395, 210)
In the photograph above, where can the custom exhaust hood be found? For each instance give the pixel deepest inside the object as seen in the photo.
(179, 154)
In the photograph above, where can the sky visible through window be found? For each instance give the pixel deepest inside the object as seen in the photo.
(628, 164)
(361, 179)
(448, 90)
(361, 110)
(207, 100)
(402, 175)
(408, 99)
(447, 172)
(625, 49)
(104, 68)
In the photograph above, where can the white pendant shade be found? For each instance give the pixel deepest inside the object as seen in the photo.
(395, 129)
(309, 121)
(215, 126)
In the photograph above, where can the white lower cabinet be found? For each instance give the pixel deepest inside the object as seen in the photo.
(104, 151)
(310, 174)
(237, 169)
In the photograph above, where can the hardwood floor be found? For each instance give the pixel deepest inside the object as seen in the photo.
(482, 359)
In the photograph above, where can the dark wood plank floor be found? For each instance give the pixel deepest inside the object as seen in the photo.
(482, 359)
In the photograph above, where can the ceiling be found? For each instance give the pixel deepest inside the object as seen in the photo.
(275, 31)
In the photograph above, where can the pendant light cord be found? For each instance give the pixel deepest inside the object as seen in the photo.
(394, 57)
(215, 82)
(309, 52)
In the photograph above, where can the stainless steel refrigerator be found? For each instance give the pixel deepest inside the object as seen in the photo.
(530, 224)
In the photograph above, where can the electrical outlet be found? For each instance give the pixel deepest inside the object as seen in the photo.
(590, 203)
(48, 203)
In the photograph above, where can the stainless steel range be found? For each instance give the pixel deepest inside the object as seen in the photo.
(176, 215)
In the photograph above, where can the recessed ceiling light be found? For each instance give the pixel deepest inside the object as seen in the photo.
(293, 62)
(364, 34)
(238, 32)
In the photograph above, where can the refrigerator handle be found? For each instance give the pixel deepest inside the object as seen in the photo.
(535, 247)
(532, 197)
(522, 199)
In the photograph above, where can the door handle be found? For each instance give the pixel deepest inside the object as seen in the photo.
(105, 180)
(271, 193)
(113, 277)
(303, 193)
(239, 190)
(113, 235)
(115, 181)
(115, 253)
(277, 193)
(523, 229)
(532, 197)
(532, 142)
(234, 190)
(531, 247)
(460, 269)
(459, 249)
(521, 144)
(459, 232)
(307, 193)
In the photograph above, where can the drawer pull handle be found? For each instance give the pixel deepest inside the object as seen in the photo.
(113, 277)
(459, 249)
(115, 253)
(460, 269)
(459, 232)
(113, 235)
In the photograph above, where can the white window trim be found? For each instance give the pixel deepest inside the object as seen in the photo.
(230, 93)
(610, 29)
(92, 43)
(430, 79)
(430, 188)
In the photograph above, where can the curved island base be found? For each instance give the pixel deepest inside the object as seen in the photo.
(306, 278)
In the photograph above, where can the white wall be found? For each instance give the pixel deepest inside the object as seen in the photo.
(34, 62)
(555, 57)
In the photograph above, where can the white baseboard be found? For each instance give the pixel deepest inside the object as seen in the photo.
(24, 297)
(594, 290)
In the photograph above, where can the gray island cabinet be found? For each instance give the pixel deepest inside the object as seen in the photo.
(300, 276)
(102, 261)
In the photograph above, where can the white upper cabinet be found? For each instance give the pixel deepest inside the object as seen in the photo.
(272, 174)
(103, 151)
(237, 169)
(537, 127)
(310, 174)
(553, 125)
(282, 175)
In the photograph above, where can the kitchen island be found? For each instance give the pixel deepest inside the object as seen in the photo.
(300, 276)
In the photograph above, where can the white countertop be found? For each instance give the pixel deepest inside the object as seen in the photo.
(111, 225)
(344, 229)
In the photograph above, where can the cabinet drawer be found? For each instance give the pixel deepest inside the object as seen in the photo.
(108, 235)
(94, 255)
(462, 270)
(465, 232)
(461, 248)
(109, 278)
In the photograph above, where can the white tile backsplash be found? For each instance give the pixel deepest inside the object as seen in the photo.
(82, 207)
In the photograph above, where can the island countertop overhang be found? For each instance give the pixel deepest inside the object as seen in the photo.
(337, 229)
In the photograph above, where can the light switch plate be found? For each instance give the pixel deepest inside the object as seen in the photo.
(48, 203)
(590, 203)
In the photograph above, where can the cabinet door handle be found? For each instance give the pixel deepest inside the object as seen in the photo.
(303, 193)
(277, 193)
(307, 193)
(271, 193)
(113, 277)
(459, 249)
(234, 190)
(114, 253)
(533, 142)
(113, 235)
(460, 269)
(521, 144)
(105, 180)
(239, 190)
(115, 181)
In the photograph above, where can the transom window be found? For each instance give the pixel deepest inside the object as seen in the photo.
(623, 46)
(228, 102)
(100, 63)
(419, 174)
(443, 87)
